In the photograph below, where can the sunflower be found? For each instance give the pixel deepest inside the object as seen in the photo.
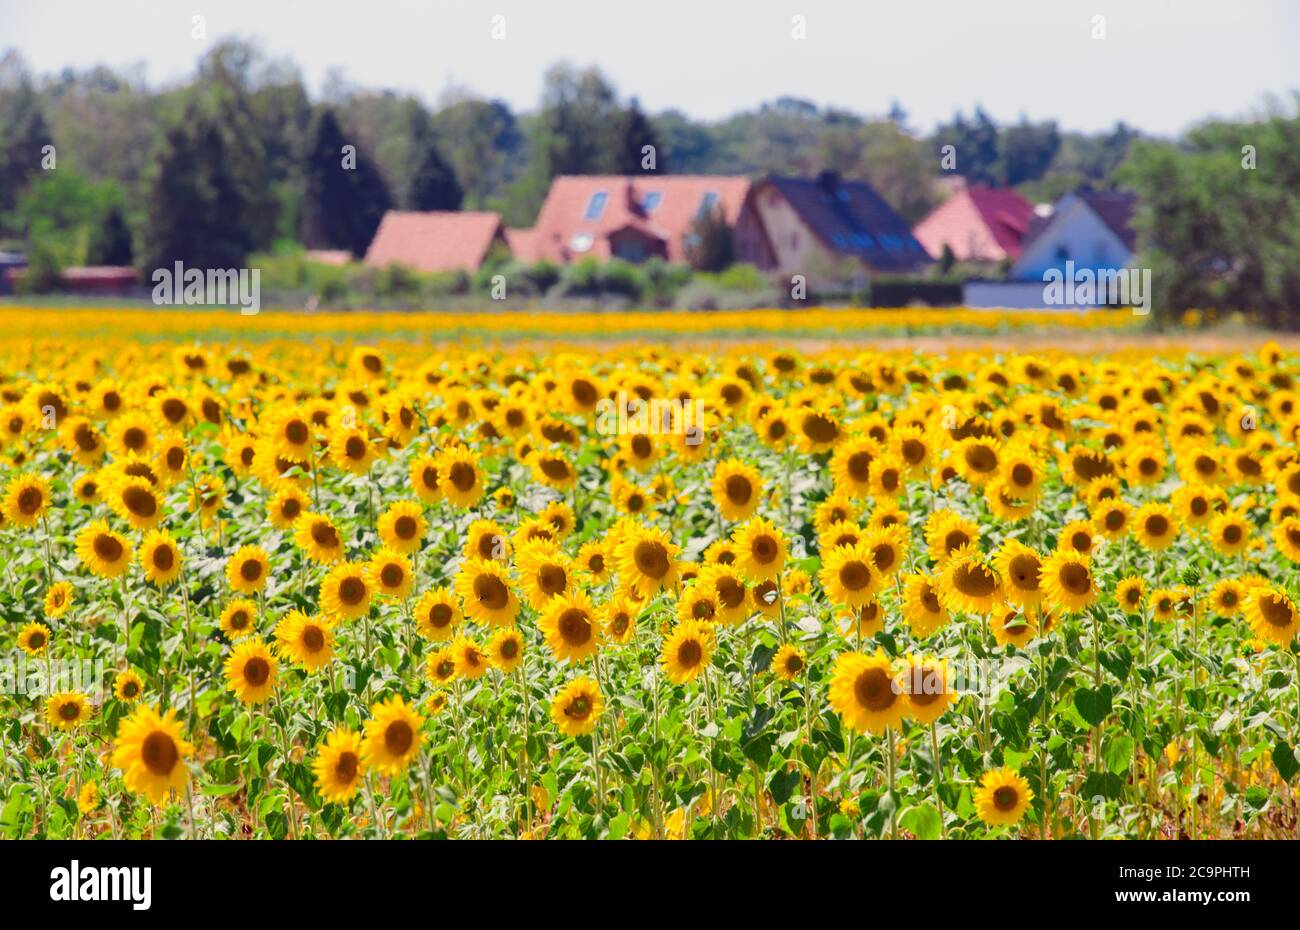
(66, 710)
(317, 536)
(289, 429)
(1163, 603)
(171, 460)
(437, 614)
(390, 573)
(1067, 581)
(576, 708)
(89, 798)
(131, 434)
(947, 532)
(788, 663)
(464, 480)
(393, 736)
(345, 591)
(618, 619)
(888, 477)
(435, 703)
(160, 558)
(251, 671)
(151, 753)
(239, 619)
(849, 576)
(545, 572)
(923, 606)
(552, 468)
(929, 688)
(570, 627)
(1111, 518)
(86, 489)
(851, 465)
(647, 560)
(128, 686)
(307, 641)
(1230, 533)
(426, 479)
(339, 765)
(687, 651)
(817, 429)
(286, 506)
(351, 450)
(1021, 570)
(58, 599)
(484, 589)
(34, 638)
(594, 560)
(737, 489)
(729, 594)
(1286, 536)
(977, 459)
(888, 548)
(402, 527)
(1155, 526)
(760, 550)
(1228, 597)
(104, 552)
(506, 649)
(1272, 615)
(471, 661)
(968, 583)
(247, 570)
(1078, 537)
(135, 501)
(485, 539)
(440, 666)
(865, 691)
(1129, 594)
(1002, 797)
(27, 498)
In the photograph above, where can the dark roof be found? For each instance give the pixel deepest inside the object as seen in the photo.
(850, 217)
(1114, 208)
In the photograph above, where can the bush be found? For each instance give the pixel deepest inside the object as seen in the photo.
(592, 278)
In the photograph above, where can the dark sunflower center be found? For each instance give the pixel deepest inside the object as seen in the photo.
(874, 690)
(159, 753)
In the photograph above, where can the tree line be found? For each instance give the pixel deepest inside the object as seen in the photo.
(241, 159)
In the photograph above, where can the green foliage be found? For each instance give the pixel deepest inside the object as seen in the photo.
(346, 195)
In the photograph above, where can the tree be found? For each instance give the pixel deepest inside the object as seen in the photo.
(488, 147)
(345, 195)
(976, 144)
(434, 185)
(198, 205)
(110, 243)
(632, 136)
(23, 131)
(710, 245)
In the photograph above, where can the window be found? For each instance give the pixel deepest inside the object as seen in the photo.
(596, 206)
(651, 200)
(709, 201)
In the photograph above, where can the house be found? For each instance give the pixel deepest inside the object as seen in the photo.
(1087, 232)
(977, 224)
(818, 226)
(632, 217)
(435, 241)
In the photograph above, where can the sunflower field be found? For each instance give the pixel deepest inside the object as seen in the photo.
(372, 584)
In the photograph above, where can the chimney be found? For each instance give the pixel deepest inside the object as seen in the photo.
(828, 181)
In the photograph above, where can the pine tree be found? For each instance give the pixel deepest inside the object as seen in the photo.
(345, 196)
(434, 186)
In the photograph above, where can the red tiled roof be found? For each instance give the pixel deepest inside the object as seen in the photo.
(564, 232)
(434, 241)
(978, 224)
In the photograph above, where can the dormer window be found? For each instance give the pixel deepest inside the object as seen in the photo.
(651, 200)
(596, 206)
(707, 204)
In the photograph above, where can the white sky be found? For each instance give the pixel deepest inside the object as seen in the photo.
(1163, 64)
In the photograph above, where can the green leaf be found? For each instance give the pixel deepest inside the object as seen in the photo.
(1119, 754)
(1284, 757)
(923, 821)
(1093, 705)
